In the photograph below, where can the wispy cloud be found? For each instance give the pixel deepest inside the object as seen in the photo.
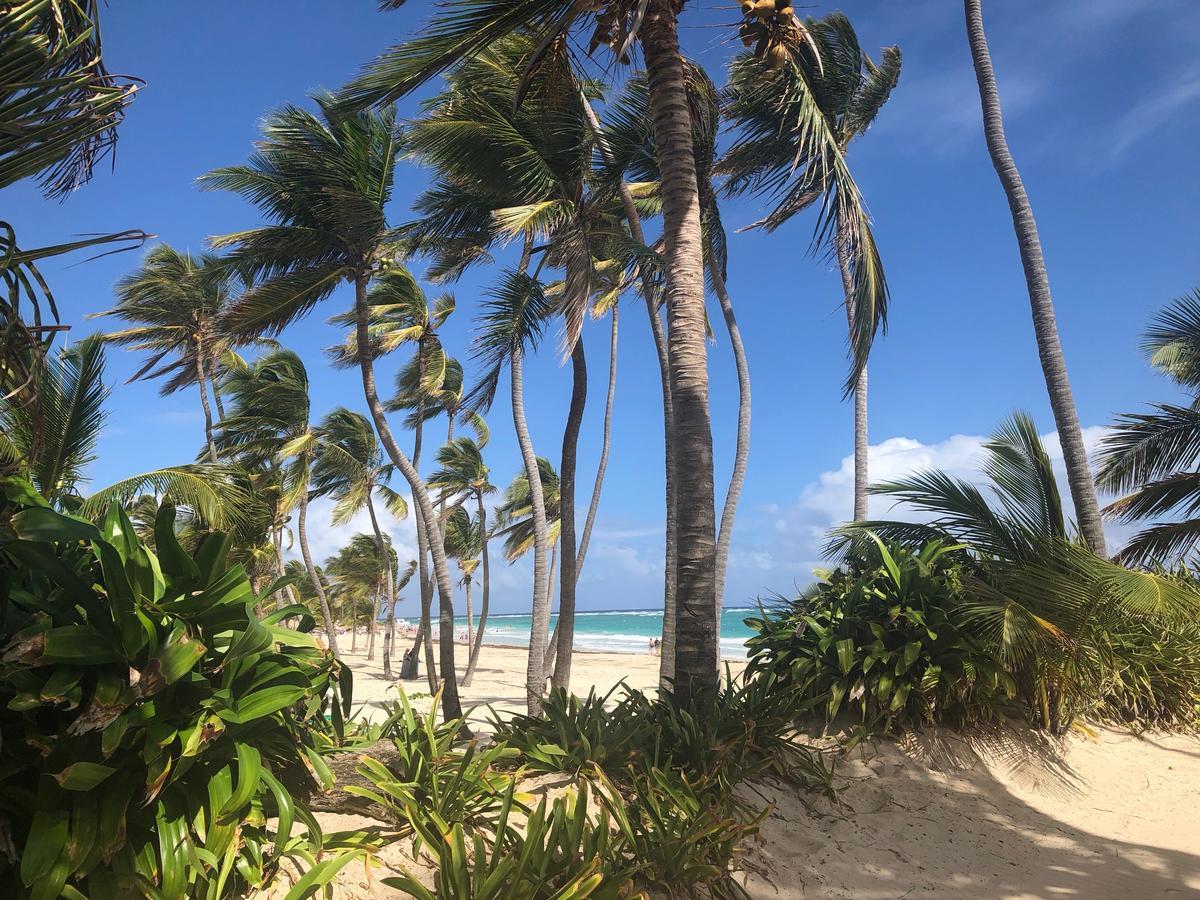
(1155, 111)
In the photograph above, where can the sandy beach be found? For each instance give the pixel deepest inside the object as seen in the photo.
(1103, 815)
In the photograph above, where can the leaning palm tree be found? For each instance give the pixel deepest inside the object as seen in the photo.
(1045, 326)
(399, 314)
(457, 33)
(1151, 458)
(1052, 609)
(323, 185)
(796, 127)
(270, 421)
(52, 443)
(347, 465)
(463, 476)
(175, 301)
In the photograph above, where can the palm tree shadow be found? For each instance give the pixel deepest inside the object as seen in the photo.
(928, 819)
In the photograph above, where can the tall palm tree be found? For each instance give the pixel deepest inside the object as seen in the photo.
(323, 185)
(463, 476)
(270, 421)
(1041, 303)
(799, 120)
(51, 444)
(464, 543)
(1151, 458)
(399, 314)
(1051, 608)
(177, 301)
(347, 465)
(458, 33)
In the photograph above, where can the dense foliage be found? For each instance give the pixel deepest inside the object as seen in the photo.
(154, 718)
(885, 637)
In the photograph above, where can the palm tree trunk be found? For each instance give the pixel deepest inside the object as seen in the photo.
(666, 663)
(354, 636)
(202, 380)
(376, 609)
(385, 559)
(467, 601)
(741, 455)
(565, 626)
(540, 613)
(691, 440)
(451, 707)
(605, 446)
(487, 586)
(1054, 366)
(424, 629)
(302, 526)
(861, 479)
(216, 389)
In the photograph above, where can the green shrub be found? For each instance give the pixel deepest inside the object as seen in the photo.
(152, 723)
(430, 781)
(572, 733)
(561, 852)
(885, 637)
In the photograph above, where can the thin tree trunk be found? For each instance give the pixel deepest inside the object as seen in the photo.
(385, 558)
(1054, 367)
(861, 445)
(540, 613)
(302, 525)
(605, 446)
(372, 622)
(202, 380)
(487, 587)
(354, 635)
(666, 663)
(470, 629)
(424, 629)
(696, 633)
(565, 626)
(451, 707)
(741, 455)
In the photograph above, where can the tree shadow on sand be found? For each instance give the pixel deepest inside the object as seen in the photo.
(928, 819)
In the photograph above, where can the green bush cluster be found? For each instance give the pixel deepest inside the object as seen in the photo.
(906, 634)
(884, 638)
(152, 721)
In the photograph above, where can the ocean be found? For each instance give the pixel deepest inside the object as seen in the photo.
(616, 631)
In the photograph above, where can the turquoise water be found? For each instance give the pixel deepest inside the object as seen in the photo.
(617, 631)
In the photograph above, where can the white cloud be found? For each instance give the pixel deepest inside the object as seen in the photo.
(1154, 111)
(325, 539)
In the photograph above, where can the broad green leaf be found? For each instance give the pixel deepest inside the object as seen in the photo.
(82, 776)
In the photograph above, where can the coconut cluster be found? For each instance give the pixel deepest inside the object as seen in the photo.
(766, 26)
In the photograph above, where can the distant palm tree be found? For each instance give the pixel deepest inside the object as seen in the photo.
(357, 574)
(323, 183)
(347, 465)
(1045, 326)
(795, 129)
(464, 543)
(176, 302)
(270, 422)
(51, 444)
(462, 476)
(460, 33)
(1151, 458)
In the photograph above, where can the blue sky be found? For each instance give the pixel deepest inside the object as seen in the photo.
(1103, 109)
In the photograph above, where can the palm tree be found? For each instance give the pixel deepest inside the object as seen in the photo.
(399, 314)
(323, 184)
(270, 421)
(358, 574)
(1051, 608)
(347, 465)
(459, 33)
(464, 543)
(51, 443)
(1151, 458)
(462, 476)
(1045, 327)
(176, 301)
(802, 120)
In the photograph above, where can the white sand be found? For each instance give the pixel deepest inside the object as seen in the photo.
(1105, 816)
